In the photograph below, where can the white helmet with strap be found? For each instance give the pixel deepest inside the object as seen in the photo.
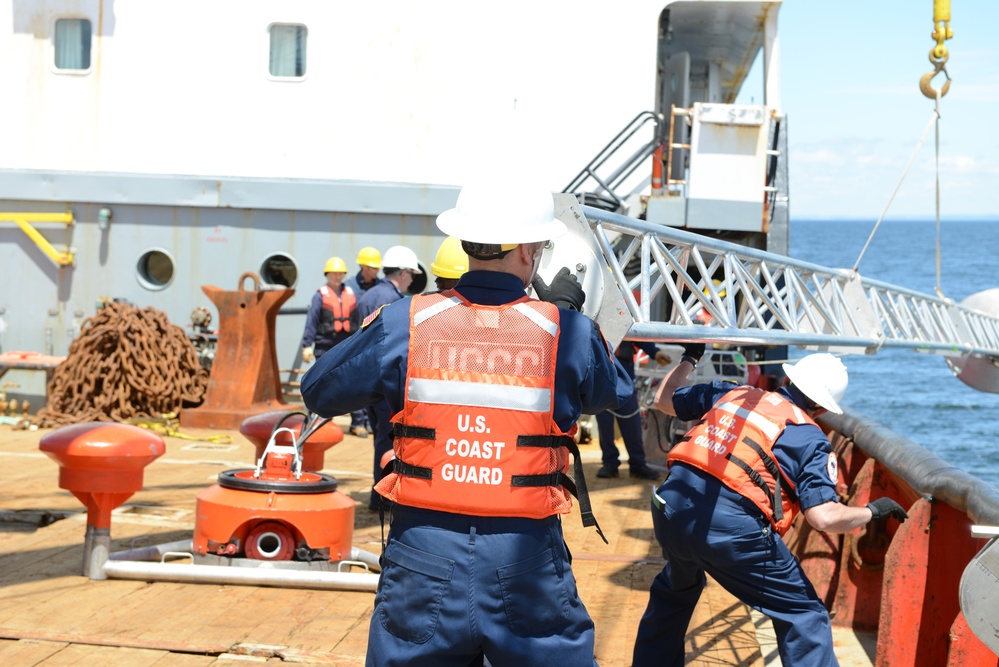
(822, 378)
(401, 257)
(503, 213)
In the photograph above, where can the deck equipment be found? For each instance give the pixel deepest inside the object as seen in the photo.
(277, 524)
(244, 380)
(102, 465)
(277, 511)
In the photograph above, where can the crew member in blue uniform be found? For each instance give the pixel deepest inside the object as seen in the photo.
(369, 262)
(767, 445)
(399, 264)
(475, 562)
(629, 419)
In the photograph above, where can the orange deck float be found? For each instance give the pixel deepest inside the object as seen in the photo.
(278, 511)
(102, 465)
(258, 430)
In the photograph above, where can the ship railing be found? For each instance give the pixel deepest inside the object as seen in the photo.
(602, 181)
(755, 297)
(921, 469)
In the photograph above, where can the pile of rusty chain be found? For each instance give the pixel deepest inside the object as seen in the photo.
(125, 363)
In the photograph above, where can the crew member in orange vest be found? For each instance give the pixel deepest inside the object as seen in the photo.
(330, 320)
(485, 385)
(753, 460)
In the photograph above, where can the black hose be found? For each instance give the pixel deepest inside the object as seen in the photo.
(920, 468)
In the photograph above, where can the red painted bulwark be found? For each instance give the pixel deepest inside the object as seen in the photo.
(922, 578)
(967, 649)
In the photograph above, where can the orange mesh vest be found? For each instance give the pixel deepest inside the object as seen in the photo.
(475, 434)
(340, 306)
(734, 442)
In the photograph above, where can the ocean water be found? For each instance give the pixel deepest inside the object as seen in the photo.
(912, 393)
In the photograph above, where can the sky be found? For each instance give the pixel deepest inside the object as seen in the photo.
(850, 75)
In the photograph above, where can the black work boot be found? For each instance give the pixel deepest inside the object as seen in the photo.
(606, 472)
(645, 472)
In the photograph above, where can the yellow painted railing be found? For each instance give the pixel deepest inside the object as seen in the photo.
(24, 220)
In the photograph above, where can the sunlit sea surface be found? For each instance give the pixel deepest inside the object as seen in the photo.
(915, 394)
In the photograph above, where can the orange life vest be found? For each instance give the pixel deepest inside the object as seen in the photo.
(734, 442)
(339, 307)
(475, 435)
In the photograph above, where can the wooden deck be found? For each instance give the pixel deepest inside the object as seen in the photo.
(52, 615)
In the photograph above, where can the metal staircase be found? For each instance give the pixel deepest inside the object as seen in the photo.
(760, 298)
(604, 183)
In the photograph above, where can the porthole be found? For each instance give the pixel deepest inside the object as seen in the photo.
(155, 268)
(419, 281)
(279, 269)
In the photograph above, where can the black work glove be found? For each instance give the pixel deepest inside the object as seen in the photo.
(882, 508)
(693, 350)
(565, 290)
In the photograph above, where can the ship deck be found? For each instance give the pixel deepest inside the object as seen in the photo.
(52, 615)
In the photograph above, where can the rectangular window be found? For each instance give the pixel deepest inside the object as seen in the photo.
(72, 44)
(288, 50)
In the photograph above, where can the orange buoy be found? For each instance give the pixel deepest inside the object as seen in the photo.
(102, 463)
(276, 511)
(258, 429)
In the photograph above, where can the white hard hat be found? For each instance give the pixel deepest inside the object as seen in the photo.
(401, 257)
(505, 213)
(822, 378)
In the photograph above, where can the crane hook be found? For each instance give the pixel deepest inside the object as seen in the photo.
(938, 66)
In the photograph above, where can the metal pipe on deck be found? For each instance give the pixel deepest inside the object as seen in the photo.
(221, 574)
(155, 552)
(366, 557)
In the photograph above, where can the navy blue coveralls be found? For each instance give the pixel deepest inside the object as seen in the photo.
(322, 343)
(380, 294)
(360, 287)
(356, 283)
(454, 586)
(703, 526)
(629, 419)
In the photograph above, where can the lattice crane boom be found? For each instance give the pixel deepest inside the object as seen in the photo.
(755, 297)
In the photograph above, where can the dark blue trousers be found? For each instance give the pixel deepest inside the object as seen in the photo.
(631, 433)
(455, 587)
(705, 527)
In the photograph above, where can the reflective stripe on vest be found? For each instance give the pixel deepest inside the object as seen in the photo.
(480, 380)
(481, 396)
(734, 442)
(340, 306)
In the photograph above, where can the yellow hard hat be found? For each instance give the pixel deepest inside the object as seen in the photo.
(335, 265)
(369, 256)
(451, 261)
(717, 283)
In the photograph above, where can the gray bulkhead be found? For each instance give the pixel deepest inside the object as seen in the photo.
(203, 231)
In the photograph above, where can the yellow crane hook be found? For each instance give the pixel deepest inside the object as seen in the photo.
(938, 54)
